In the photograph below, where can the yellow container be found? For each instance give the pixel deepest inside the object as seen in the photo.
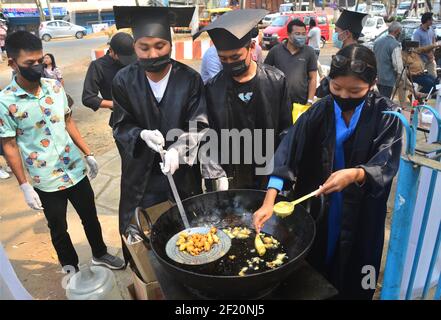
(297, 110)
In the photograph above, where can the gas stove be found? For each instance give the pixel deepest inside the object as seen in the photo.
(304, 283)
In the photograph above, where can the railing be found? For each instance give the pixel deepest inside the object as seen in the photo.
(404, 221)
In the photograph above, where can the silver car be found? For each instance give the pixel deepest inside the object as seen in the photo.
(59, 29)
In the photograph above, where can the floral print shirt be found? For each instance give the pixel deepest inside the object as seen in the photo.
(51, 158)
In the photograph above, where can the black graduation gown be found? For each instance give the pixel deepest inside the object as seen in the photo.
(136, 108)
(269, 108)
(306, 156)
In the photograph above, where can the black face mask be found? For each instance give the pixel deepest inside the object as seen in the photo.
(348, 104)
(33, 73)
(155, 64)
(236, 69)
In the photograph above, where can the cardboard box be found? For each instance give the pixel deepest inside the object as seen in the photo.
(145, 291)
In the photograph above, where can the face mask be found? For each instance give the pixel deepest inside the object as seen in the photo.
(33, 73)
(298, 41)
(155, 64)
(236, 68)
(347, 104)
(336, 41)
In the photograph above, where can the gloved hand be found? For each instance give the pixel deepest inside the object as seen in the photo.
(153, 138)
(222, 184)
(31, 197)
(171, 161)
(93, 167)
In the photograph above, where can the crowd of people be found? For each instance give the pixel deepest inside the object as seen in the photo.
(344, 144)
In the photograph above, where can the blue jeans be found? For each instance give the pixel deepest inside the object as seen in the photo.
(426, 81)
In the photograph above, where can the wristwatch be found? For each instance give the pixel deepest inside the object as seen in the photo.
(310, 101)
(89, 155)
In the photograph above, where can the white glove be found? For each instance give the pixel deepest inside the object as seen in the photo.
(222, 184)
(93, 167)
(171, 161)
(153, 138)
(31, 197)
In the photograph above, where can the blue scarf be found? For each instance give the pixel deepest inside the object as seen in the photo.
(342, 133)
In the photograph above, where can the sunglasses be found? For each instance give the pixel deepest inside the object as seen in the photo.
(356, 66)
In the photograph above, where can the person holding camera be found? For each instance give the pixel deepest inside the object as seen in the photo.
(416, 65)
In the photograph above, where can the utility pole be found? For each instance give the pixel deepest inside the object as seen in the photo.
(49, 7)
(40, 10)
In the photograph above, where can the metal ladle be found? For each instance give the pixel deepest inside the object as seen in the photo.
(283, 209)
(217, 251)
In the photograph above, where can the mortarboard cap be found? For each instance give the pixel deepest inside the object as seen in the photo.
(233, 30)
(352, 21)
(152, 22)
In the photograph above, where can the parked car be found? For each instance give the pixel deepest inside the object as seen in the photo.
(408, 30)
(370, 43)
(277, 31)
(377, 9)
(372, 28)
(288, 8)
(269, 18)
(59, 29)
(403, 9)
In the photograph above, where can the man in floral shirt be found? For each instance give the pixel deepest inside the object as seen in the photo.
(38, 132)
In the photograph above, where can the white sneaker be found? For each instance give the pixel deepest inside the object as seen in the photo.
(4, 174)
(8, 169)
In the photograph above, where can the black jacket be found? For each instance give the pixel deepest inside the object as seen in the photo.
(269, 107)
(135, 109)
(306, 156)
(98, 80)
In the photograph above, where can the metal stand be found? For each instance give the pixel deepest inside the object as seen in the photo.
(408, 76)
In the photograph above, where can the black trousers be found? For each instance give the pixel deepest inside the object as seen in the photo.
(55, 208)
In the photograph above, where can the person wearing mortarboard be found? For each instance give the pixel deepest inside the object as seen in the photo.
(348, 28)
(347, 31)
(152, 96)
(243, 95)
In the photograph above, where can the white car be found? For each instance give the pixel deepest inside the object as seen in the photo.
(377, 9)
(59, 29)
(269, 18)
(403, 9)
(373, 27)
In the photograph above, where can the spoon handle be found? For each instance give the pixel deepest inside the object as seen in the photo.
(309, 195)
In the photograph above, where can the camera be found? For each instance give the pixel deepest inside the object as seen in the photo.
(409, 44)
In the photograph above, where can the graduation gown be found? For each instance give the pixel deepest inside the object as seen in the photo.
(306, 156)
(135, 109)
(269, 108)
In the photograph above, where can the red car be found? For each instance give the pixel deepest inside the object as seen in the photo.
(277, 31)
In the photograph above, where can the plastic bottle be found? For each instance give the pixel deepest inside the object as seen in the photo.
(93, 283)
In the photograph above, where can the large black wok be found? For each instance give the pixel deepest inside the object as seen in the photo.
(232, 208)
